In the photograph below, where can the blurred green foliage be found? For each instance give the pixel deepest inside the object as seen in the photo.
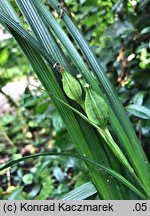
(12, 62)
(119, 33)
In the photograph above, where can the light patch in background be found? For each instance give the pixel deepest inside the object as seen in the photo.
(130, 57)
(133, 2)
(4, 36)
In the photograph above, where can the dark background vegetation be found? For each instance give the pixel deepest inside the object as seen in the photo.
(119, 34)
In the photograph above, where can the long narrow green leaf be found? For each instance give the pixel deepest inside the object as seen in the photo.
(6, 6)
(41, 32)
(31, 43)
(73, 53)
(82, 192)
(79, 62)
(101, 167)
(129, 140)
(38, 27)
(50, 85)
(94, 144)
(70, 48)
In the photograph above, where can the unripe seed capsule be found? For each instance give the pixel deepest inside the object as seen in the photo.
(71, 87)
(96, 108)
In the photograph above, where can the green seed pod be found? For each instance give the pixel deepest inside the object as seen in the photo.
(96, 108)
(71, 87)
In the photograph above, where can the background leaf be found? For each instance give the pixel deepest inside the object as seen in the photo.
(139, 111)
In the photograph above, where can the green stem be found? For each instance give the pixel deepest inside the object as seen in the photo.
(115, 148)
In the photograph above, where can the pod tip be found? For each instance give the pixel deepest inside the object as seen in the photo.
(59, 67)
